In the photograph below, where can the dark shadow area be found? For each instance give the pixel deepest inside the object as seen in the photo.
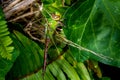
(110, 71)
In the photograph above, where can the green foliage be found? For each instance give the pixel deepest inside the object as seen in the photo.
(94, 24)
(5, 40)
(54, 6)
(6, 65)
(30, 58)
(30, 62)
(7, 52)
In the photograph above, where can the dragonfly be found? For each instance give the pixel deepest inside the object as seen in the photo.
(51, 32)
(48, 31)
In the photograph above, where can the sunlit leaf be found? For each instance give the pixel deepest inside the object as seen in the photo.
(5, 40)
(6, 65)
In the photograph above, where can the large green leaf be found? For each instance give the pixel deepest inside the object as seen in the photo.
(94, 24)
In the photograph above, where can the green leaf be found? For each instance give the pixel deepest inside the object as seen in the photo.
(94, 24)
(30, 59)
(5, 40)
(75, 19)
(6, 65)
